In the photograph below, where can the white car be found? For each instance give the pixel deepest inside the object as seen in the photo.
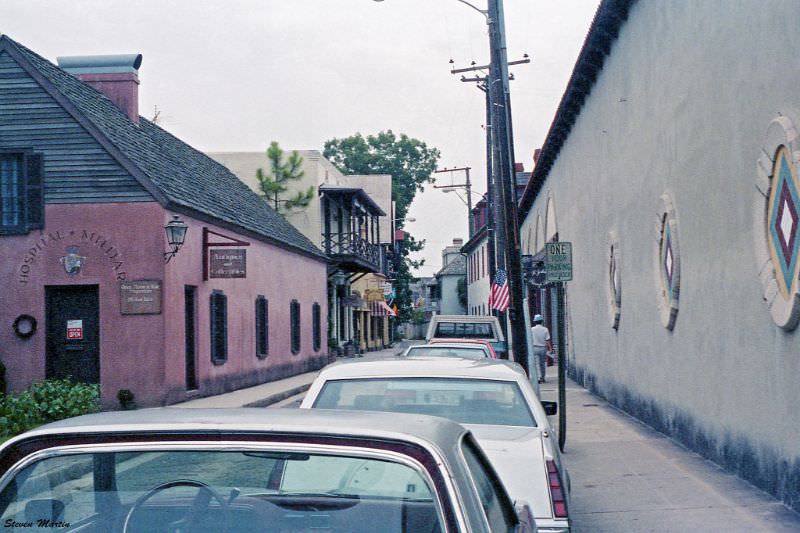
(492, 398)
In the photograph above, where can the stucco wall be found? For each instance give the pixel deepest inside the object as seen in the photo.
(448, 303)
(681, 107)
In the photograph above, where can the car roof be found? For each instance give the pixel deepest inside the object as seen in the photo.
(421, 429)
(424, 367)
(456, 340)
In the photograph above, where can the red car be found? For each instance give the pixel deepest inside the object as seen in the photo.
(482, 342)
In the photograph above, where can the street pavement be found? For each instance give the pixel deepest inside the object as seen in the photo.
(625, 476)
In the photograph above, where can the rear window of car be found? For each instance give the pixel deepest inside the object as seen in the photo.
(464, 330)
(466, 401)
(448, 351)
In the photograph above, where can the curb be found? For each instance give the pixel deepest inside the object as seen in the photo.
(278, 396)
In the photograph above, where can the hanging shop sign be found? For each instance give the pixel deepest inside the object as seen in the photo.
(228, 263)
(231, 263)
(74, 330)
(141, 297)
(558, 261)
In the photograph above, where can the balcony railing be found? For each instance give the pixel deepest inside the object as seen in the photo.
(352, 249)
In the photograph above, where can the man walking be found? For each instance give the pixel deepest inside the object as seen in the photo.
(541, 345)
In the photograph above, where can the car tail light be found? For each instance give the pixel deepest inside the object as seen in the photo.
(556, 490)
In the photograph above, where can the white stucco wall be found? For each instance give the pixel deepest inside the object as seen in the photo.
(449, 304)
(681, 107)
(478, 289)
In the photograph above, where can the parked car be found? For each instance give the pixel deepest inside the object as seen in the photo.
(252, 470)
(493, 398)
(448, 349)
(482, 342)
(469, 327)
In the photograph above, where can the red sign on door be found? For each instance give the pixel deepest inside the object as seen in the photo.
(75, 330)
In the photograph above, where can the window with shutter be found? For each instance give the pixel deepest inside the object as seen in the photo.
(219, 327)
(262, 327)
(316, 318)
(294, 313)
(21, 192)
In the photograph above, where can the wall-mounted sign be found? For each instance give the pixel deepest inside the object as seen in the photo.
(228, 263)
(142, 297)
(558, 261)
(74, 330)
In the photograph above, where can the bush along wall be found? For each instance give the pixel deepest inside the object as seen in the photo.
(46, 401)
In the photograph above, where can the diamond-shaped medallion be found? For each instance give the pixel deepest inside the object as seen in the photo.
(784, 206)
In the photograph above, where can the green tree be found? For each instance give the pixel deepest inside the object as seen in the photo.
(461, 288)
(411, 164)
(275, 183)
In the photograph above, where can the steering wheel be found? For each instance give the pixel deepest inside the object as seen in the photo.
(189, 522)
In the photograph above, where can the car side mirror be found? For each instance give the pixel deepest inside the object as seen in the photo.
(550, 408)
(525, 521)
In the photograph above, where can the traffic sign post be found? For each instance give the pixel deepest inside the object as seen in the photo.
(558, 270)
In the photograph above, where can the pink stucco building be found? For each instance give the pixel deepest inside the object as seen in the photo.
(86, 190)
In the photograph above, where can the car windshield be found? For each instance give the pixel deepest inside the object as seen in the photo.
(466, 401)
(448, 351)
(464, 330)
(231, 491)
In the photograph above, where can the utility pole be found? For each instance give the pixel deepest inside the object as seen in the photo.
(466, 185)
(495, 232)
(501, 130)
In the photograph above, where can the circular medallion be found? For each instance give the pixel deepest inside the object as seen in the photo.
(669, 264)
(614, 281)
(777, 220)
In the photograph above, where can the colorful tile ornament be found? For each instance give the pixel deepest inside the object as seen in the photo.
(784, 207)
(777, 220)
(669, 270)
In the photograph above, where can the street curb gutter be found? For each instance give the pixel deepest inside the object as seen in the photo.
(278, 396)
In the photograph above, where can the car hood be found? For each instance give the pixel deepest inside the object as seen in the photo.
(517, 456)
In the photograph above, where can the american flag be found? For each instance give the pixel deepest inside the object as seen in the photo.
(498, 295)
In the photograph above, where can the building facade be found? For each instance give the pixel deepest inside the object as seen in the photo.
(87, 188)
(451, 280)
(672, 167)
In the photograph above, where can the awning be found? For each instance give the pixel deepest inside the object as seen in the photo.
(381, 309)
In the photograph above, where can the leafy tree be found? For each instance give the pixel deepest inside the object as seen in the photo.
(411, 164)
(274, 184)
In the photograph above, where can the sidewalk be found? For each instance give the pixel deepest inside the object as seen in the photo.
(270, 393)
(627, 477)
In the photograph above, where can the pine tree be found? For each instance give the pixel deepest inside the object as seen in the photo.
(275, 184)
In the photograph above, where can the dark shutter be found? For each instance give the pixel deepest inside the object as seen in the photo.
(294, 313)
(219, 327)
(262, 342)
(316, 319)
(35, 191)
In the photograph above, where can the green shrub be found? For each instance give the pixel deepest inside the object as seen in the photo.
(2, 378)
(46, 401)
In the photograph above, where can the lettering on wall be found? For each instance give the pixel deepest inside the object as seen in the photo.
(72, 241)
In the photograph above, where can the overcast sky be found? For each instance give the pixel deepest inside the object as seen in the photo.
(234, 75)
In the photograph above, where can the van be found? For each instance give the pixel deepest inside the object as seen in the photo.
(469, 327)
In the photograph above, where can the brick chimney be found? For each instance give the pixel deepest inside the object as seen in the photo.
(116, 76)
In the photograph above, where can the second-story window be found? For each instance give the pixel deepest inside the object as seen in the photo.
(21, 193)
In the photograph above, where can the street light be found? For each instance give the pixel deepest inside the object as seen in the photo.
(176, 235)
